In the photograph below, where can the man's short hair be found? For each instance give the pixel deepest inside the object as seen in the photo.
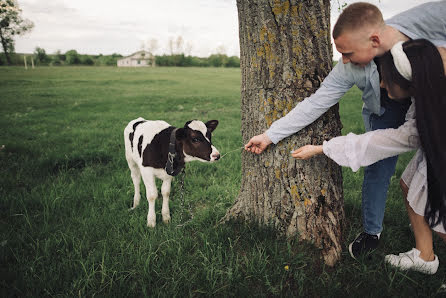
(357, 16)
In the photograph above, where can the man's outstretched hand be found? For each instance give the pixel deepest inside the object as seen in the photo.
(258, 143)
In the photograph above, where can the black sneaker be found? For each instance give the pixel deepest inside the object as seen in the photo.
(363, 244)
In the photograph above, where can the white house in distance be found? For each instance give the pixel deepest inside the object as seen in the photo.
(138, 59)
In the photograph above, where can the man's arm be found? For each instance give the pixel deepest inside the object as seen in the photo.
(335, 85)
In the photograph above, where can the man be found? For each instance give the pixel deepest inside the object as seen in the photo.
(360, 34)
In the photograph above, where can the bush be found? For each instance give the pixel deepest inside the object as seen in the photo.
(87, 60)
(72, 57)
(217, 60)
(58, 58)
(200, 62)
(233, 61)
(40, 56)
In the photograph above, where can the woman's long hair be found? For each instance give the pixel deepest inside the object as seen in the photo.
(428, 87)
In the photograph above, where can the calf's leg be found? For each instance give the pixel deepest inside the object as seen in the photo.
(151, 193)
(165, 191)
(136, 178)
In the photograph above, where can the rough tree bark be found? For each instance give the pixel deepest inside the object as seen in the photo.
(285, 53)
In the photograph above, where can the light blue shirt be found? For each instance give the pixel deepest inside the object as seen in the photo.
(426, 21)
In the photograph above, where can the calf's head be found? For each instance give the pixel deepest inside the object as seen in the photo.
(195, 138)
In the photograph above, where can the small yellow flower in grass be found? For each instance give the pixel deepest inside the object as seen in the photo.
(287, 267)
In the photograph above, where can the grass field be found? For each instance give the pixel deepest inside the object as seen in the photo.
(65, 190)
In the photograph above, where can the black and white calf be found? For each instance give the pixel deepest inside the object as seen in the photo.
(156, 149)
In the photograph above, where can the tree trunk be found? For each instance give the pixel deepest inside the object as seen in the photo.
(5, 48)
(285, 53)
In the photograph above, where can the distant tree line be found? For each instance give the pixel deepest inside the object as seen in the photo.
(72, 57)
(215, 60)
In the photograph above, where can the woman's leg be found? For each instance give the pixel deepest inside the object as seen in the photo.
(422, 257)
(421, 230)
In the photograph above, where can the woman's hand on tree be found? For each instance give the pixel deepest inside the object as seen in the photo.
(307, 151)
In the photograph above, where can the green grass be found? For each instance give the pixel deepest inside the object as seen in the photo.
(65, 190)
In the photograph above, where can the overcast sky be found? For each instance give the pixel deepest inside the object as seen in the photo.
(110, 26)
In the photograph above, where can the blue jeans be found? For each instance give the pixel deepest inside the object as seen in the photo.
(377, 176)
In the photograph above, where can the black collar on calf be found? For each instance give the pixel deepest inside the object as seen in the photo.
(173, 165)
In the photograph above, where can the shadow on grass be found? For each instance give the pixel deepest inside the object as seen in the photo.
(77, 161)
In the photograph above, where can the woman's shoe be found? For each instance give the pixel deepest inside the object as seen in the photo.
(411, 261)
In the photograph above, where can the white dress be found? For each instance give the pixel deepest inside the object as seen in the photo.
(355, 151)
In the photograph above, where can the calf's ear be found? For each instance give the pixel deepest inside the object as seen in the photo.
(180, 134)
(211, 125)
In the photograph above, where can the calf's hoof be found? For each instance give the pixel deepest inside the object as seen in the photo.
(151, 223)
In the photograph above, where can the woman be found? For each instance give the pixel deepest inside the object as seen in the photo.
(415, 68)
